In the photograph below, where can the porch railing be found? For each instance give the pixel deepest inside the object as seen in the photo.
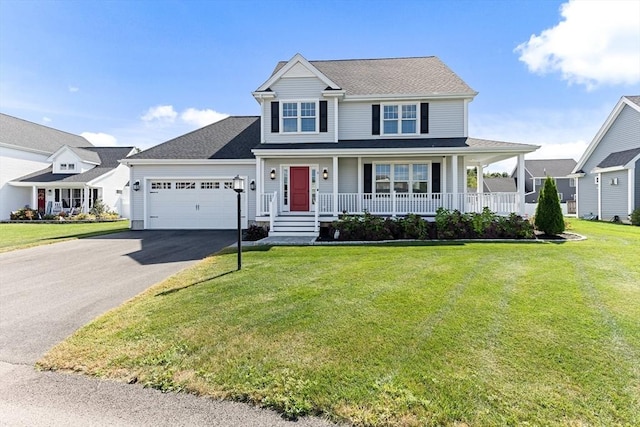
(402, 203)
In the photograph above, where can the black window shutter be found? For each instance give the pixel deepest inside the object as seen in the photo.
(275, 117)
(323, 116)
(375, 119)
(368, 177)
(435, 178)
(424, 117)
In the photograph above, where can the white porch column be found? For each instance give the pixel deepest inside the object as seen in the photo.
(34, 198)
(480, 173)
(360, 186)
(444, 175)
(521, 210)
(454, 181)
(630, 188)
(258, 186)
(85, 199)
(335, 185)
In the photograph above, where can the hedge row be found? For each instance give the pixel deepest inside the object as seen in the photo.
(447, 225)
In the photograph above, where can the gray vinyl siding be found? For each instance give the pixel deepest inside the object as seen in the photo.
(566, 191)
(143, 172)
(614, 197)
(297, 89)
(348, 175)
(622, 135)
(446, 120)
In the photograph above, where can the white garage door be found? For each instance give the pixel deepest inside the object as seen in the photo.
(193, 204)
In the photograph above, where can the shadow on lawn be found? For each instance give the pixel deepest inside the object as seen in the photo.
(174, 290)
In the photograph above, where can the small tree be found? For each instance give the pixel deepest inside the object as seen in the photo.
(549, 217)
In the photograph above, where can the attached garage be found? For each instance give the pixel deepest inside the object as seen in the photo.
(187, 203)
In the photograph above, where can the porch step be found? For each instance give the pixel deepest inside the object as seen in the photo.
(293, 225)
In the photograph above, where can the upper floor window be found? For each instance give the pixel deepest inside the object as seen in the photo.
(299, 117)
(572, 182)
(399, 119)
(63, 166)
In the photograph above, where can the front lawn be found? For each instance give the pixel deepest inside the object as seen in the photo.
(453, 334)
(23, 235)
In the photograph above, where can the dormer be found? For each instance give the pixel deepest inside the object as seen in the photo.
(298, 104)
(73, 160)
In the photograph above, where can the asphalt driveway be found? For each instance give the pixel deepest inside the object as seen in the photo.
(47, 292)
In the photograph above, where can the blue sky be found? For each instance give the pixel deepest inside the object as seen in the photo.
(141, 72)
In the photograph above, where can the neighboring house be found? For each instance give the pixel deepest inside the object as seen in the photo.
(608, 173)
(499, 185)
(536, 171)
(385, 136)
(51, 171)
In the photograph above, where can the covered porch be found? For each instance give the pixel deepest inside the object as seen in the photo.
(317, 187)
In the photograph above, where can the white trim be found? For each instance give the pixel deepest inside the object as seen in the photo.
(335, 120)
(479, 179)
(410, 163)
(297, 58)
(335, 184)
(454, 180)
(603, 130)
(334, 93)
(611, 169)
(599, 188)
(631, 190)
(443, 173)
(259, 186)
(360, 182)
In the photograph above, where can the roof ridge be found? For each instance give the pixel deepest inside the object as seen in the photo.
(370, 59)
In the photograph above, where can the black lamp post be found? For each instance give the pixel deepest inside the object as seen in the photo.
(238, 187)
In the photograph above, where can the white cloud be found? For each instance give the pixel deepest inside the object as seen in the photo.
(46, 119)
(560, 134)
(161, 114)
(201, 118)
(597, 43)
(100, 139)
(73, 89)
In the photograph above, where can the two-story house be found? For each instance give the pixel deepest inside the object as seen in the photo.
(51, 171)
(608, 173)
(385, 136)
(535, 173)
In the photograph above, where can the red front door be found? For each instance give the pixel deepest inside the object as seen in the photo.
(41, 200)
(299, 177)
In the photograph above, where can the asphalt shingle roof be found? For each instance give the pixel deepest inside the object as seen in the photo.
(231, 138)
(32, 136)
(108, 158)
(392, 76)
(635, 99)
(619, 158)
(462, 142)
(499, 185)
(541, 168)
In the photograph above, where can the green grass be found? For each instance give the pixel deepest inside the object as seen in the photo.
(23, 235)
(471, 334)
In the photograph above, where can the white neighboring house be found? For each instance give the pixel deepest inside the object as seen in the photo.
(608, 173)
(51, 171)
(384, 136)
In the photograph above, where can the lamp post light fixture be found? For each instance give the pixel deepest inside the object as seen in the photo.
(272, 175)
(136, 186)
(325, 173)
(238, 187)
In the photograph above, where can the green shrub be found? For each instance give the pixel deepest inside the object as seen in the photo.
(635, 217)
(549, 217)
(83, 217)
(24, 214)
(255, 232)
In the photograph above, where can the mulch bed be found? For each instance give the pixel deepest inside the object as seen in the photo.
(563, 237)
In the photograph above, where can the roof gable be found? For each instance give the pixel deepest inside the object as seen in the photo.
(297, 66)
(33, 137)
(630, 101)
(83, 154)
(499, 184)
